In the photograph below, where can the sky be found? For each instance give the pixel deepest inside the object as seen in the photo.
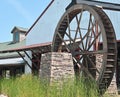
(21, 13)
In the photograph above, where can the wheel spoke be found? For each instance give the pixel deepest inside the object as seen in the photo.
(78, 24)
(86, 35)
(74, 44)
(88, 31)
(91, 35)
(67, 48)
(93, 64)
(80, 33)
(92, 32)
(79, 64)
(93, 41)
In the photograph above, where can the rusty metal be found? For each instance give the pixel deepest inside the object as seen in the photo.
(87, 33)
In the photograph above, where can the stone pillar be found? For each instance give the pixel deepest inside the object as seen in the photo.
(112, 89)
(56, 66)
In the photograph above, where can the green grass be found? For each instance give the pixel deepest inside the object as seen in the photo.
(31, 86)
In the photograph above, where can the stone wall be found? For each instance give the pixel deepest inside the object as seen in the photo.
(56, 66)
(112, 89)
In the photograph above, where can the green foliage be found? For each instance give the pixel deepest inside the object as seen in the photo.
(32, 86)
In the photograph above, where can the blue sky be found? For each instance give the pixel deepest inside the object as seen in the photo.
(21, 13)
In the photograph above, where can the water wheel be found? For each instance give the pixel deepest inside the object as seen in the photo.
(87, 33)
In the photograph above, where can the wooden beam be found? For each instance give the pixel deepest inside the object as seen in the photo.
(104, 5)
(30, 59)
(24, 60)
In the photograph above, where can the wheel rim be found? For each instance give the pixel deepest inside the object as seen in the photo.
(88, 34)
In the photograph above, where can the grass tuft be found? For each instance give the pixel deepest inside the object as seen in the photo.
(32, 86)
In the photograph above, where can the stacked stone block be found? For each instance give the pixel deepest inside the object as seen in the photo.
(112, 89)
(56, 66)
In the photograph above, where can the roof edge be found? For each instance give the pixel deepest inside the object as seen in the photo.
(19, 29)
(40, 16)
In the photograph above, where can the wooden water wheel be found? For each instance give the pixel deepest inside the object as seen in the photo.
(87, 33)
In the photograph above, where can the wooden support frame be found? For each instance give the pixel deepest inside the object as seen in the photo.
(30, 59)
(24, 59)
(104, 5)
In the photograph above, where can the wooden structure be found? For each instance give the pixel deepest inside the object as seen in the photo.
(86, 32)
(92, 26)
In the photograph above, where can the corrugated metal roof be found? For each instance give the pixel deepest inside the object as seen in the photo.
(11, 61)
(34, 46)
(10, 45)
(43, 47)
